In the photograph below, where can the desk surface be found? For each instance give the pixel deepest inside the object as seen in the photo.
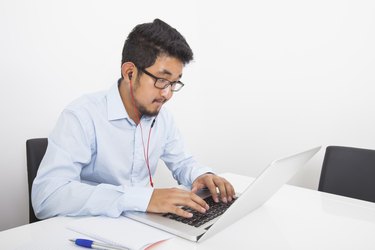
(294, 218)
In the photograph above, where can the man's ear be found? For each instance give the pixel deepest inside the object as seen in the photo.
(128, 70)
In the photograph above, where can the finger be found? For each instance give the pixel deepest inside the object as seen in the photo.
(193, 201)
(222, 189)
(190, 199)
(230, 190)
(212, 187)
(230, 193)
(200, 202)
(180, 212)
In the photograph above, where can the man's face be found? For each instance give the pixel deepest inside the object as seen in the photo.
(148, 98)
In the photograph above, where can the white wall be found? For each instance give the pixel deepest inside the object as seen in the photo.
(270, 78)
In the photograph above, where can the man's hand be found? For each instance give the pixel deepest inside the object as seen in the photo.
(169, 200)
(212, 181)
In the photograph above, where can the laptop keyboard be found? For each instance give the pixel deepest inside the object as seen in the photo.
(198, 219)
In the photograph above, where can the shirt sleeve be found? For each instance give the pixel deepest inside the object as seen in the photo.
(185, 169)
(58, 188)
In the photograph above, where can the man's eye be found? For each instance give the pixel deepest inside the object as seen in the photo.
(163, 81)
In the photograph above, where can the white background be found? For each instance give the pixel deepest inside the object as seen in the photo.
(270, 78)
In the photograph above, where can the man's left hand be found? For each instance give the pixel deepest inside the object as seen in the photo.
(212, 181)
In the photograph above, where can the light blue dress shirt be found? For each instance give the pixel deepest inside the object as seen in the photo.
(95, 164)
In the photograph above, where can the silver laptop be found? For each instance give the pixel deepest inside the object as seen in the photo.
(202, 226)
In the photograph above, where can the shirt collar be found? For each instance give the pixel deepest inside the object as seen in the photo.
(115, 106)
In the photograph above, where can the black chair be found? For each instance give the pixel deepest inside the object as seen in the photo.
(35, 150)
(349, 172)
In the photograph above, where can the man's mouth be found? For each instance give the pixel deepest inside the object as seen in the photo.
(160, 100)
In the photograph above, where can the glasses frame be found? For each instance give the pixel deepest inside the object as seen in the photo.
(178, 83)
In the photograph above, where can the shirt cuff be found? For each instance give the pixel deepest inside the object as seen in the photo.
(136, 198)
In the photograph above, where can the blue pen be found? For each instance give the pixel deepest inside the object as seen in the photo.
(96, 245)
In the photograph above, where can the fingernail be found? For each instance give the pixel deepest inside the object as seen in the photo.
(203, 210)
(190, 215)
(230, 198)
(216, 199)
(225, 200)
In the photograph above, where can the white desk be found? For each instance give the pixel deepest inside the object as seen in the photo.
(294, 218)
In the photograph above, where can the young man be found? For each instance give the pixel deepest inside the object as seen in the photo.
(105, 147)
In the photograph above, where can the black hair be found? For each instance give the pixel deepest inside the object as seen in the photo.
(147, 41)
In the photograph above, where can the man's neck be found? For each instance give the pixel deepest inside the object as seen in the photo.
(127, 101)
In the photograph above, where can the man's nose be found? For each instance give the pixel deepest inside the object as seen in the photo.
(166, 92)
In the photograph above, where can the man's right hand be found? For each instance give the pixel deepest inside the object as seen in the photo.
(170, 200)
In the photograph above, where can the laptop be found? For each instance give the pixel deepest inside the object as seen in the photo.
(202, 226)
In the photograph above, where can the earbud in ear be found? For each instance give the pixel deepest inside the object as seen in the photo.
(130, 76)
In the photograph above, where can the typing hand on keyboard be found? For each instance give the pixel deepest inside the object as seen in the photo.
(214, 182)
(171, 200)
(198, 219)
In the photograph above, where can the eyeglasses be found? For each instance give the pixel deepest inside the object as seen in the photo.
(162, 83)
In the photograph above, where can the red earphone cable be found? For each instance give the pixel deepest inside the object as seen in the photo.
(145, 151)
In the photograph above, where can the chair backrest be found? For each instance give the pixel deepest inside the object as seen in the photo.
(35, 150)
(349, 172)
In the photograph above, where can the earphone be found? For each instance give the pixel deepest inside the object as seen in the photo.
(145, 150)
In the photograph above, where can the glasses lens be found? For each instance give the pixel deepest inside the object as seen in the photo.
(177, 86)
(162, 83)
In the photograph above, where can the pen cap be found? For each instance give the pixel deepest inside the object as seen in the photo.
(84, 243)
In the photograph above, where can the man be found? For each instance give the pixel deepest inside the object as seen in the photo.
(105, 147)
